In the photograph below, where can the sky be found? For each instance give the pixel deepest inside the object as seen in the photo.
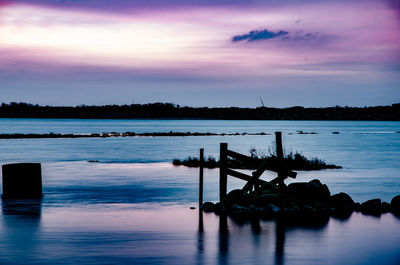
(200, 52)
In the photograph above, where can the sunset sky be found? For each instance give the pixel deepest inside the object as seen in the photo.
(200, 52)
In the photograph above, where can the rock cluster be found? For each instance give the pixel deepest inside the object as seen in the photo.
(303, 200)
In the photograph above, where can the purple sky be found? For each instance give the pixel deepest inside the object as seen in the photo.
(200, 53)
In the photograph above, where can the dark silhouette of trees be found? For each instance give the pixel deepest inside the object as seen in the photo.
(172, 111)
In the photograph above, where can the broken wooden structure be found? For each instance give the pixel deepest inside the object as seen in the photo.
(253, 181)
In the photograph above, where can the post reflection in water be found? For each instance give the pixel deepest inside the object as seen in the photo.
(25, 211)
(200, 239)
(20, 226)
(281, 226)
(279, 243)
(223, 240)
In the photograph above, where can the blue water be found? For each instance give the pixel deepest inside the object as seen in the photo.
(133, 202)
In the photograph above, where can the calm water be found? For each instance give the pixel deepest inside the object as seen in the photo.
(133, 206)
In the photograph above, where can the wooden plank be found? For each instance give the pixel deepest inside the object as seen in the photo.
(256, 175)
(223, 176)
(201, 177)
(239, 156)
(243, 176)
(279, 155)
(278, 141)
(268, 166)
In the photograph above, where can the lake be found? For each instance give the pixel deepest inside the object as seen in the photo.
(133, 206)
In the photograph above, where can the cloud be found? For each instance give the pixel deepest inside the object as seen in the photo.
(309, 37)
(284, 36)
(257, 35)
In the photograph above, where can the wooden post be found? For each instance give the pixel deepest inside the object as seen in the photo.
(279, 155)
(201, 177)
(279, 149)
(22, 180)
(223, 177)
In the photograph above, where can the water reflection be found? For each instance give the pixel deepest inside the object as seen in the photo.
(281, 226)
(21, 226)
(26, 212)
(200, 239)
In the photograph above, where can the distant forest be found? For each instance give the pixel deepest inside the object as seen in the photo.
(172, 111)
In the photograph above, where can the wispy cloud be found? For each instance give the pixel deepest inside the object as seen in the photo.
(284, 36)
(256, 35)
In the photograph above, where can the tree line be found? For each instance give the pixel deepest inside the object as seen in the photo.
(173, 111)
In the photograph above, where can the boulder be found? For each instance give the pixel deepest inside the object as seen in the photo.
(385, 207)
(265, 199)
(313, 190)
(238, 210)
(292, 210)
(269, 210)
(322, 208)
(208, 207)
(219, 208)
(357, 206)
(372, 207)
(238, 197)
(341, 202)
(395, 204)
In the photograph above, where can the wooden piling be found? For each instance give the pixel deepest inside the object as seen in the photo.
(201, 177)
(279, 149)
(279, 155)
(223, 176)
(22, 180)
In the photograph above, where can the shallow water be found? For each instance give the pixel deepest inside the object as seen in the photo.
(133, 206)
(148, 234)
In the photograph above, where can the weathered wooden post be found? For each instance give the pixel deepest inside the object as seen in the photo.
(279, 155)
(223, 176)
(279, 149)
(22, 180)
(201, 177)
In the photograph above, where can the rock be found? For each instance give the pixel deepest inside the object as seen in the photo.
(395, 204)
(238, 197)
(341, 202)
(313, 190)
(357, 206)
(208, 207)
(385, 207)
(265, 199)
(308, 210)
(290, 211)
(323, 208)
(372, 207)
(320, 190)
(238, 210)
(219, 208)
(269, 209)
